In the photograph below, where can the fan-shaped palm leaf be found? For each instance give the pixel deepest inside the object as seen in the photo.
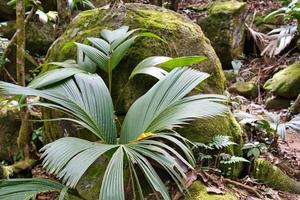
(18, 189)
(157, 66)
(88, 101)
(162, 107)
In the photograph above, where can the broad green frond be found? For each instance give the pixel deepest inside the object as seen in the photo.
(149, 66)
(95, 55)
(100, 44)
(62, 157)
(21, 189)
(164, 102)
(112, 186)
(149, 172)
(87, 101)
(111, 36)
(157, 66)
(53, 76)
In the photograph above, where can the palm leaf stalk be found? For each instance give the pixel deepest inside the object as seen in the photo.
(147, 135)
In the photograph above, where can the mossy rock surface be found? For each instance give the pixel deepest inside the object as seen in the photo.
(246, 89)
(272, 176)
(285, 83)
(198, 191)
(277, 103)
(182, 35)
(203, 131)
(224, 26)
(10, 124)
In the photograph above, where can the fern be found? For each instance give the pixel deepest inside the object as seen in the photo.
(233, 160)
(220, 142)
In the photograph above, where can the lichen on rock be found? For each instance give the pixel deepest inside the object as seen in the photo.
(246, 89)
(272, 176)
(198, 191)
(285, 83)
(224, 26)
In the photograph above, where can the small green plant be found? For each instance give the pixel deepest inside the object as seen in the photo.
(254, 149)
(215, 150)
(270, 122)
(290, 10)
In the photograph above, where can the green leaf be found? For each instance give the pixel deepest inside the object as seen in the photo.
(221, 141)
(149, 66)
(62, 157)
(21, 189)
(111, 36)
(95, 55)
(100, 44)
(181, 62)
(162, 107)
(155, 66)
(149, 172)
(53, 76)
(234, 159)
(87, 100)
(112, 186)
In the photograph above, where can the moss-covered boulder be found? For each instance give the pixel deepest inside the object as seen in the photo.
(246, 89)
(285, 83)
(198, 191)
(272, 176)
(182, 35)
(224, 26)
(277, 103)
(10, 124)
(204, 130)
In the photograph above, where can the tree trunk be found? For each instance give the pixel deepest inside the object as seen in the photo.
(64, 13)
(24, 139)
(20, 23)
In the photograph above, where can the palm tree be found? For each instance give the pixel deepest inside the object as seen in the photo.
(147, 139)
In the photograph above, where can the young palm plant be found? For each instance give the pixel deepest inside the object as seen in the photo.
(147, 138)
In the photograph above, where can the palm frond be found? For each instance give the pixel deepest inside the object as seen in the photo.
(53, 76)
(21, 189)
(164, 102)
(62, 156)
(113, 178)
(157, 66)
(87, 100)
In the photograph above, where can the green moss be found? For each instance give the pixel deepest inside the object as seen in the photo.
(204, 130)
(198, 191)
(247, 89)
(227, 7)
(183, 38)
(272, 176)
(285, 83)
(224, 26)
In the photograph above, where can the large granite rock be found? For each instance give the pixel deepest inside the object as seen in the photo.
(285, 83)
(182, 35)
(224, 25)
